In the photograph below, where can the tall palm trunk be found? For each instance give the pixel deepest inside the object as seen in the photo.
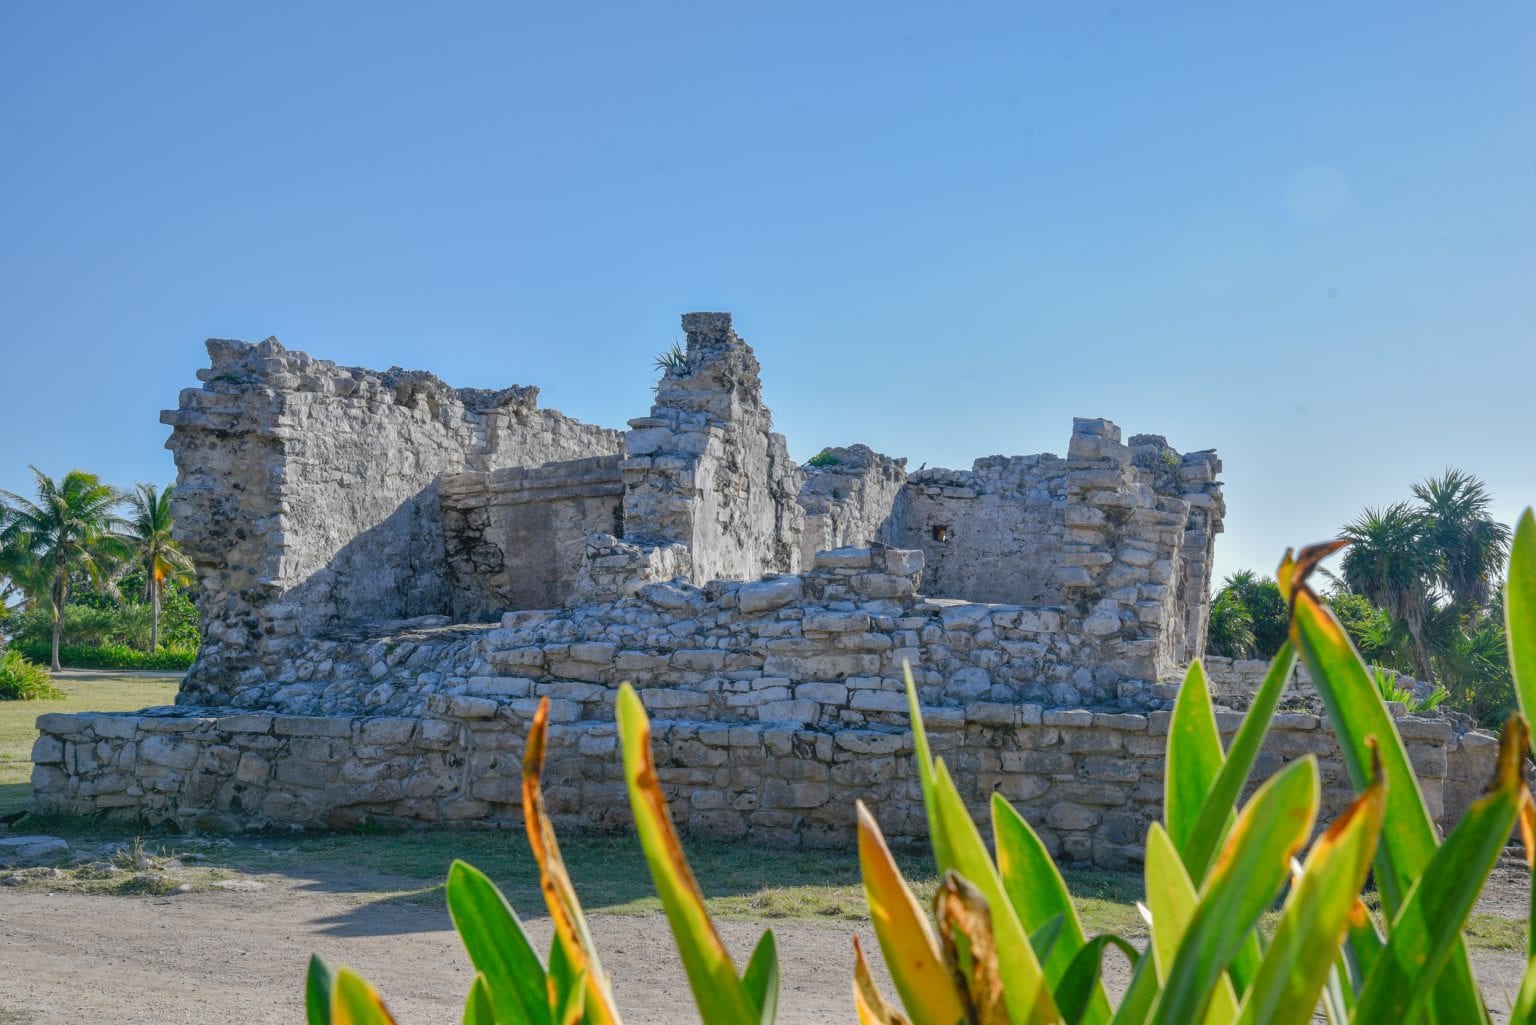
(58, 615)
(1415, 623)
(154, 608)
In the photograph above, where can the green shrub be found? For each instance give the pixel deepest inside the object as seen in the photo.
(21, 680)
(823, 458)
(111, 656)
(101, 623)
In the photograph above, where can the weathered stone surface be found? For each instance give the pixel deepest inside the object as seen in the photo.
(395, 573)
(1090, 782)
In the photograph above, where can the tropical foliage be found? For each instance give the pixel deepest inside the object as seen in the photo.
(1248, 617)
(24, 680)
(1002, 942)
(84, 566)
(160, 560)
(70, 529)
(1417, 592)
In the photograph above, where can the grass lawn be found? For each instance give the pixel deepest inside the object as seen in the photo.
(83, 692)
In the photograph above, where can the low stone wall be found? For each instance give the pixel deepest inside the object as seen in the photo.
(1091, 782)
(1234, 682)
(824, 648)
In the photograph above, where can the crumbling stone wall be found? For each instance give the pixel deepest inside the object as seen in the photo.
(853, 499)
(518, 538)
(307, 492)
(706, 469)
(1123, 533)
(1090, 782)
(825, 647)
(394, 570)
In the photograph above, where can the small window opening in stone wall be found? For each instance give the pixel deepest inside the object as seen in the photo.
(618, 520)
(940, 533)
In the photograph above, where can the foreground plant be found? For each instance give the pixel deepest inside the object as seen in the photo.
(1010, 948)
(513, 985)
(1004, 943)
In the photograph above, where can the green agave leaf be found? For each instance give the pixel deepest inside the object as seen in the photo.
(355, 1002)
(1427, 930)
(1039, 896)
(1080, 982)
(1172, 900)
(1218, 810)
(1304, 949)
(1358, 715)
(572, 937)
(761, 978)
(925, 983)
(317, 992)
(1194, 757)
(570, 1007)
(925, 775)
(1520, 613)
(1524, 1010)
(721, 997)
(1044, 938)
(1252, 868)
(1024, 987)
(498, 947)
(478, 1009)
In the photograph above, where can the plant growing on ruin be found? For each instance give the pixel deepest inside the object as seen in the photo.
(822, 459)
(1004, 943)
(675, 358)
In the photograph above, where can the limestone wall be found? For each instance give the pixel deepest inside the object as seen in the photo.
(1233, 682)
(706, 469)
(825, 647)
(517, 538)
(306, 492)
(1122, 532)
(1089, 782)
(853, 500)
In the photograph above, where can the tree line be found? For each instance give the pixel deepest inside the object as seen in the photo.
(1418, 590)
(79, 546)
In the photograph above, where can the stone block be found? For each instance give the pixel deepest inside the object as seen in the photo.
(1067, 816)
(312, 726)
(789, 712)
(823, 691)
(762, 595)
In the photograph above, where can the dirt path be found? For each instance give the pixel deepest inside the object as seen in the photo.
(200, 957)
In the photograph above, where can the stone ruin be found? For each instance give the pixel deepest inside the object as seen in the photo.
(393, 572)
(326, 505)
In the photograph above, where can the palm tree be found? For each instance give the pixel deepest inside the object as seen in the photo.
(148, 530)
(1230, 629)
(70, 529)
(1472, 546)
(1269, 616)
(1390, 564)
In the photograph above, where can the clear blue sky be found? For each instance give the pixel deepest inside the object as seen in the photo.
(1303, 234)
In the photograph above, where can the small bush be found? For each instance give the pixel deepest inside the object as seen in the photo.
(21, 680)
(111, 656)
(92, 620)
(823, 458)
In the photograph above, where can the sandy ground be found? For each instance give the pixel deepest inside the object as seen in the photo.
(201, 957)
